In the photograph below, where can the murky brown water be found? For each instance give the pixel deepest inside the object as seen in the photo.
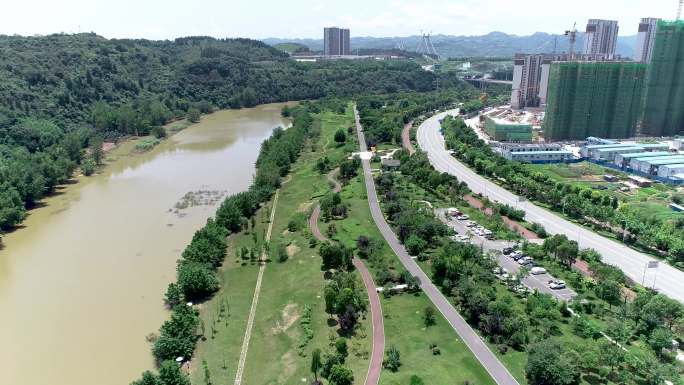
(82, 284)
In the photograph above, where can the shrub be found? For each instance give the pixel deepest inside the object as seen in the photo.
(393, 360)
(196, 280)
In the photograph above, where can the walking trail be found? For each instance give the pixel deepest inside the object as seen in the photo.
(406, 138)
(375, 364)
(257, 292)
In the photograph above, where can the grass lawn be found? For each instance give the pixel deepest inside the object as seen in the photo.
(405, 328)
(274, 356)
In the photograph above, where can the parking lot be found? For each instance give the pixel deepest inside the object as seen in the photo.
(467, 232)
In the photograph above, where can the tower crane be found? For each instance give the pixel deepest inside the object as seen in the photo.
(572, 36)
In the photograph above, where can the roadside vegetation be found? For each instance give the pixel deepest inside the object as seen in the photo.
(602, 210)
(540, 340)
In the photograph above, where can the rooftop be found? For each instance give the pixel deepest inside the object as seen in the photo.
(541, 152)
(644, 154)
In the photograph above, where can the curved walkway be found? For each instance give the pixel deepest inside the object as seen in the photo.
(378, 348)
(484, 355)
(406, 138)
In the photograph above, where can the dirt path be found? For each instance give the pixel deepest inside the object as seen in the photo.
(406, 138)
(378, 347)
(513, 225)
(255, 298)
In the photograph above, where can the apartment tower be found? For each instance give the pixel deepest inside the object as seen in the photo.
(601, 37)
(336, 41)
(663, 107)
(646, 39)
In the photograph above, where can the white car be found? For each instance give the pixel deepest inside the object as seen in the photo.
(557, 284)
(463, 217)
(537, 270)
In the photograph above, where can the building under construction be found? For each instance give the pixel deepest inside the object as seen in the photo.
(664, 104)
(593, 99)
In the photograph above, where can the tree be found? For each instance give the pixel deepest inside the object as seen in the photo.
(341, 348)
(316, 363)
(660, 340)
(96, 151)
(147, 379)
(193, 115)
(348, 319)
(340, 136)
(549, 364)
(341, 375)
(392, 361)
(330, 295)
(415, 380)
(415, 244)
(609, 291)
(173, 296)
(207, 373)
(196, 280)
(88, 166)
(170, 374)
(429, 316)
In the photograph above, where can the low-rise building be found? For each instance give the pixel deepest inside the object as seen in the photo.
(639, 181)
(557, 156)
(650, 165)
(622, 160)
(608, 154)
(670, 170)
(507, 131)
(588, 150)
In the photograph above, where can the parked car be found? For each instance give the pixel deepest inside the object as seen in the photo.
(516, 255)
(557, 284)
(537, 270)
(507, 250)
(525, 261)
(463, 217)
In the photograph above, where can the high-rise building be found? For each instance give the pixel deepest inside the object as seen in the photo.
(593, 99)
(645, 39)
(336, 41)
(531, 76)
(601, 37)
(664, 102)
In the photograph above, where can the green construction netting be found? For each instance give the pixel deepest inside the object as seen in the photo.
(664, 102)
(593, 99)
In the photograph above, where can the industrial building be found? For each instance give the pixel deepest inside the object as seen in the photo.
(646, 39)
(622, 160)
(601, 37)
(593, 99)
(610, 152)
(506, 130)
(336, 41)
(651, 165)
(557, 156)
(535, 153)
(663, 114)
(671, 171)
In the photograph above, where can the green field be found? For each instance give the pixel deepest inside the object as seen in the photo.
(653, 200)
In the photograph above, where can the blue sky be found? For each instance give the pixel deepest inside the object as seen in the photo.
(167, 19)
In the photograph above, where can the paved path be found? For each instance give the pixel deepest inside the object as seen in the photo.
(255, 298)
(377, 320)
(406, 138)
(489, 361)
(666, 279)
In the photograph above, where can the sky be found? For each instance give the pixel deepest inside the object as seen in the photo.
(168, 19)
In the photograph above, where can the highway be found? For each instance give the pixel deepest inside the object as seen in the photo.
(484, 355)
(665, 278)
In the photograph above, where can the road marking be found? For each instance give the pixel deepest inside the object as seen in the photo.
(255, 298)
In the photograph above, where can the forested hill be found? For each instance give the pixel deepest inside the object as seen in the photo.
(62, 76)
(62, 93)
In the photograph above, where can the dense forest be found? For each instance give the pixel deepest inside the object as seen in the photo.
(61, 94)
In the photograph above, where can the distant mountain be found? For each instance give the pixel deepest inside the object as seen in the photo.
(494, 44)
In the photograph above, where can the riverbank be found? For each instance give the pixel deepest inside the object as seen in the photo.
(88, 269)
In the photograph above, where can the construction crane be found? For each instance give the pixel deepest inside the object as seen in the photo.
(679, 9)
(572, 36)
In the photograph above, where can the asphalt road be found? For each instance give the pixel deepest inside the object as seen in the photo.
(539, 282)
(489, 361)
(666, 279)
